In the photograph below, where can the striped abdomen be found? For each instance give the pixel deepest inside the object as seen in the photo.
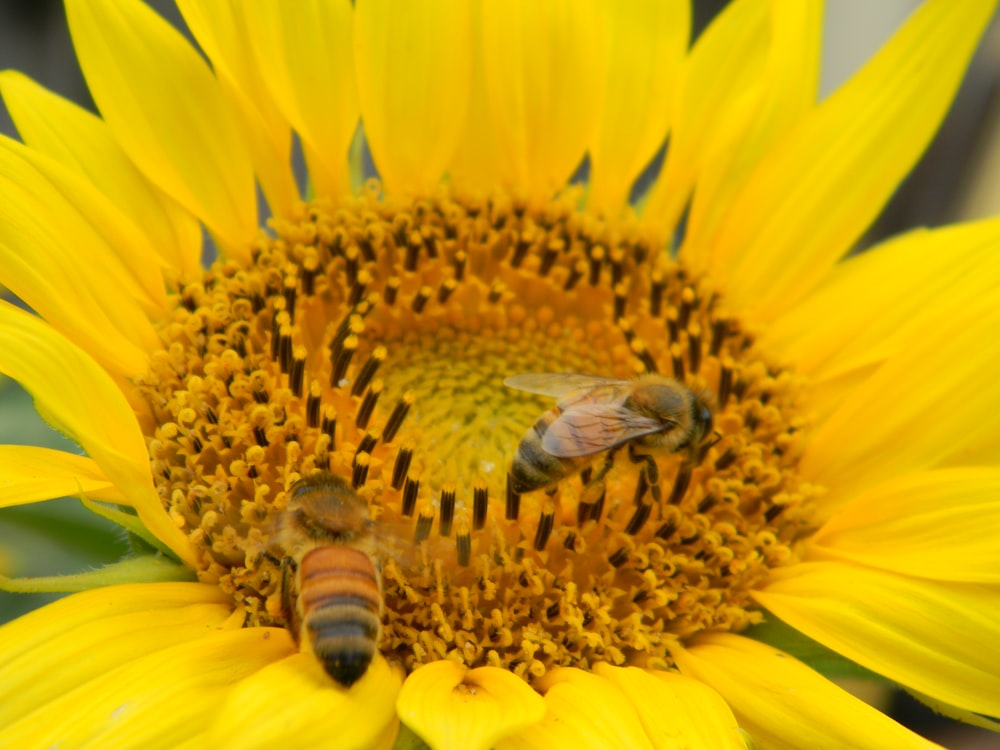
(340, 601)
(534, 468)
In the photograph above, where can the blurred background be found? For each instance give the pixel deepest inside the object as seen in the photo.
(958, 179)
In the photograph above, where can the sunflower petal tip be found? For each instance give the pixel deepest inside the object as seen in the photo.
(450, 706)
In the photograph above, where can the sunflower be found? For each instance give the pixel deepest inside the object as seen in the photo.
(832, 464)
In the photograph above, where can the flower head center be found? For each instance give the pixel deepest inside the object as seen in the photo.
(372, 342)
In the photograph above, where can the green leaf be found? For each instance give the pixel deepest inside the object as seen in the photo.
(829, 663)
(407, 740)
(147, 569)
(130, 523)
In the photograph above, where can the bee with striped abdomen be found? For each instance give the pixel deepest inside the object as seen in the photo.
(651, 413)
(332, 579)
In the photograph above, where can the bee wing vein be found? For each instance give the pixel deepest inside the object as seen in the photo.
(587, 429)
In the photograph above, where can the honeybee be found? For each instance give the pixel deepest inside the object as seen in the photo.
(651, 413)
(332, 579)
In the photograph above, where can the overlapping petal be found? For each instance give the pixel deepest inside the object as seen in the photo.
(29, 474)
(166, 110)
(897, 291)
(79, 398)
(449, 706)
(293, 704)
(544, 66)
(718, 92)
(676, 710)
(784, 704)
(938, 637)
(582, 710)
(70, 270)
(82, 142)
(304, 51)
(921, 408)
(818, 190)
(413, 63)
(42, 651)
(646, 45)
(221, 31)
(787, 84)
(939, 525)
(125, 708)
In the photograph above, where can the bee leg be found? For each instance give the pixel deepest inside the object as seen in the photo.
(652, 472)
(698, 451)
(273, 559)
(609, 461)
(288, 596)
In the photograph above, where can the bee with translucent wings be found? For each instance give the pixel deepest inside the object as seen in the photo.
(651, 414)
(332, 574)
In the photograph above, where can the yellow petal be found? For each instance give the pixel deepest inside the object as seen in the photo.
(478, 162)
(304, 51)
(60, 241)
(718, 93)
(451, 707)
(77, 397)
(646, 45)
(167, 111)
(896, 291)
(413, 63)
(784, 704)
(941, 638)
(675, 710)
(583, 711)
(545, 73)
(29, 474)
(920, 408)
(814, 194)
(40, 652)
(788, 83)
(940, 525)
(294, 704)
(221, 31)
(81, 142)
(154, 700)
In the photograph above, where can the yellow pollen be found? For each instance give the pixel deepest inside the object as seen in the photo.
(372, 341)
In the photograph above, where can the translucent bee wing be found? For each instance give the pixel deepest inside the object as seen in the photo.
(590, 428)
(395, 540)
(557, 384)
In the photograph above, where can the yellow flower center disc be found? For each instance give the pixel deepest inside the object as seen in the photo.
(372, 341)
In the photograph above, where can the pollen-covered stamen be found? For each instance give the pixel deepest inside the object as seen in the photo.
(480, 498)
(447, 504)
(681, 483)
(639, 518)
(694, 348)
(725, 385)
(368, 370)
(513, 500)
(395, 420)
(328, 426)
(421, 298)
(372, 340)
(425, 522)
(359, 476)
(411, 487)
(313, 404)
(544, 529)
(343, 361)
(367, 406)
(297, 372)
(463, 546)
(401, 466)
